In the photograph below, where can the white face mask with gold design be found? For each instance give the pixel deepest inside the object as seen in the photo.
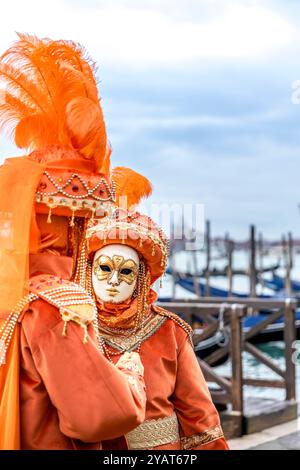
(115, 272)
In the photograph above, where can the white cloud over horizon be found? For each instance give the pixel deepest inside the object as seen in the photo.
(124, 32)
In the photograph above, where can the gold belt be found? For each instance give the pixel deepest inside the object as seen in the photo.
(154, 432)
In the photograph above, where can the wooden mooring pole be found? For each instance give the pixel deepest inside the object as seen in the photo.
(252, 262)
(289, 345)
(236, 362)
(288, 248)
(229, 244)
(208, 254)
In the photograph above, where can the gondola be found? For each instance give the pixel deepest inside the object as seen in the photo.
(188, 283)
(279, 282)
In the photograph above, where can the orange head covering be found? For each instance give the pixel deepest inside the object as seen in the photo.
(135, 230)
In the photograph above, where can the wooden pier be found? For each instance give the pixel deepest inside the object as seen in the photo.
(238, 415)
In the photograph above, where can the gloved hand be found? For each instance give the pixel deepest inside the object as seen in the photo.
(131, 365)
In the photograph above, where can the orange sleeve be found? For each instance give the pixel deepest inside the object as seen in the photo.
(199, 420)
(93, 398)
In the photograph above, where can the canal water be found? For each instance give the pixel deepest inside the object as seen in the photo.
(256, 370)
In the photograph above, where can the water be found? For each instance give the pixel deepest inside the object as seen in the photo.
(256, 370)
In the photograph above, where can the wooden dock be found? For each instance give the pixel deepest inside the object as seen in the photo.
(239, 416)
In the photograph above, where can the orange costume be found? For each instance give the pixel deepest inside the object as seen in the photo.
(179, 412)
(57, 389)
(71, 397)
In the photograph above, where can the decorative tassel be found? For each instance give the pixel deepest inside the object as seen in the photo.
(93, 214)
(72, 218)
(85, 337)
(49, 215)
(64, 332)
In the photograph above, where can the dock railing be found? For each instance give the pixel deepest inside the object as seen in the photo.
(226, 315)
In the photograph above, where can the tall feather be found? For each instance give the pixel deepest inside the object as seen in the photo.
(52, 97)
(12, 110)
(130, 184)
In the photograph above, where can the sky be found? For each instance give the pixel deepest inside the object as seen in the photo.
(200, 96)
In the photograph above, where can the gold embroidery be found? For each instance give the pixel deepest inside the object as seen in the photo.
(73, 302)
(172, 316)
(129, 343)
(154, 432)
(205, 437)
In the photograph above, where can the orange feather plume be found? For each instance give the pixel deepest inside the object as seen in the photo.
(131, 185)
(51, 97)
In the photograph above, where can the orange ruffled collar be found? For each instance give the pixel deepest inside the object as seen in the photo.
(122, 315)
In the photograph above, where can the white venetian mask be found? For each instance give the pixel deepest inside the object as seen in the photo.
(115, 273)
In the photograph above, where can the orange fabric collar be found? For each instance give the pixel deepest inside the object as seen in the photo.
(122, 315)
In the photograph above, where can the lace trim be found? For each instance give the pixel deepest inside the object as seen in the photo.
(205, 437)
(172, 316)
(154, 432)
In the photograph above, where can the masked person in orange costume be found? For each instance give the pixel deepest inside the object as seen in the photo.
(57, 388)
(127, 253)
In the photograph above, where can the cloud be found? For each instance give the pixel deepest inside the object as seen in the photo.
(125, 32)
